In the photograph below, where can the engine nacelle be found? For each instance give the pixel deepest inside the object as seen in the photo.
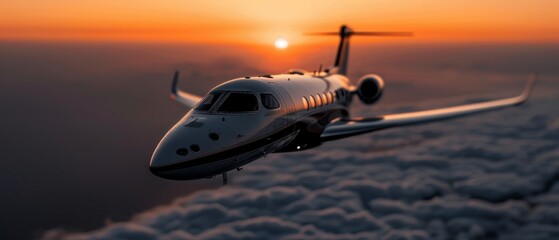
(370, 88)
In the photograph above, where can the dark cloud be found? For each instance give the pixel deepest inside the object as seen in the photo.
(496, 176)
(80, 122)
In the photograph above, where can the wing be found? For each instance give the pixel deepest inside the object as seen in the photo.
(187, 99)
(349, 127)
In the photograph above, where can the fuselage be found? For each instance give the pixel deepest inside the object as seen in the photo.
(247, 118)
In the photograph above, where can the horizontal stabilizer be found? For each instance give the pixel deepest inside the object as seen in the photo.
(342, 55)
(372, 34)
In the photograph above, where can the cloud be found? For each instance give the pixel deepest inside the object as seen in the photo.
(495, 176)
(499, 186)
(481, 180)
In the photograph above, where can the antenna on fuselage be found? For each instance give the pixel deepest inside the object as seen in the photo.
(342, 55)
(224, 175)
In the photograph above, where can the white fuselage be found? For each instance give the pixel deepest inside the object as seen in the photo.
(211, 141)
(244, 119)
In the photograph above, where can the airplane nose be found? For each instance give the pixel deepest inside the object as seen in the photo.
(188, 141)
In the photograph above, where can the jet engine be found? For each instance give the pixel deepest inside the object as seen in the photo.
(370, 88)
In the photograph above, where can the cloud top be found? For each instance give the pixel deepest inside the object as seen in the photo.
(494, 176)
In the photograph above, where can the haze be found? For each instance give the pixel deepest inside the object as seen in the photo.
(260, 22)
(84, 94)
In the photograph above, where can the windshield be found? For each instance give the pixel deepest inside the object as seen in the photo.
(239, 102)
(208, 101)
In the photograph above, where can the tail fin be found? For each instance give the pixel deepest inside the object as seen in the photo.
(343, 50)
(340, 64)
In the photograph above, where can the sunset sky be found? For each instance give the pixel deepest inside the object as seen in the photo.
(84, 91)
(260, 22)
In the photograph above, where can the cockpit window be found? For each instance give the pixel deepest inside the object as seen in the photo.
(208, 101)
(239, 102)
(269, 101)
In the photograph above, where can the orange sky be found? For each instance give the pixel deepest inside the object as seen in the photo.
(260, 22)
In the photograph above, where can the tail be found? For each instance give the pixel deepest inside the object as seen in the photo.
(340, 64)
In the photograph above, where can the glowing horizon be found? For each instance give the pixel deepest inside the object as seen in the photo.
(260, 23)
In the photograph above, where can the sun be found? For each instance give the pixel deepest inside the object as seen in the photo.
(281, 43)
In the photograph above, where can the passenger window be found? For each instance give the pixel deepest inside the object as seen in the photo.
(312, 102)
(208, 101)
(239, 102)
(305, 103)
(318, 101)
(324, 99)
(269, 101)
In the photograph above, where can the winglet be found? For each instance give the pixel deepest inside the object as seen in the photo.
(174, 87)
(529, 87)
(187, 99)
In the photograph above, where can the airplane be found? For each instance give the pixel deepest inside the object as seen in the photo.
(247, 118)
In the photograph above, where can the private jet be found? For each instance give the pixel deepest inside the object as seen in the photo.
(247, 118)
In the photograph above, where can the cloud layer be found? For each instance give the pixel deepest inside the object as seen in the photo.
(487, 176)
